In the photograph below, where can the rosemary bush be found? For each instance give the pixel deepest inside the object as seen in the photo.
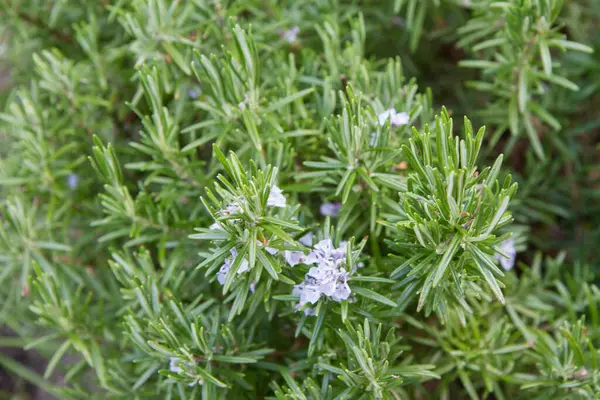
(298, 200)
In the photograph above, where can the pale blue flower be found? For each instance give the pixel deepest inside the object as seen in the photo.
(329, 278)
(195, 92)
(508, 247)
(222, 274)
(175, 365)
(73, 181)
(396, 118)
(330, 209)
(306, 239)
(291, 35)
(276, 197)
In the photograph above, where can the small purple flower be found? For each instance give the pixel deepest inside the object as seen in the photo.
(291, 35)
(231, 209)
(330, 209)
(306, 239)
(73, 181)
(507, 246)
(329, 278)
(175, 365)
(276, 197)
(195, 92)
(396, 118)
(222, 274)
(271, 250)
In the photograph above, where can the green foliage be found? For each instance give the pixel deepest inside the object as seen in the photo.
(514, 41)
(453, 213)
(264, 199)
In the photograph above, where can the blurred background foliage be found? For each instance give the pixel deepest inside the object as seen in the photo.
(110, 110)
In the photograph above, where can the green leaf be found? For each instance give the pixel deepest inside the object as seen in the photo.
(522, 91)
(369, 294)
(289, 99)
(560, 81)
(371, 279)
(445, 261)
(482, 64)
(533, 137)
(489, 278)
(52, 246)
(567, 44)
(546, 58)
(234, 359)
(58, 355)
(177, 57)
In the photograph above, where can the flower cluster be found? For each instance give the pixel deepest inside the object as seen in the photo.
(329, 278)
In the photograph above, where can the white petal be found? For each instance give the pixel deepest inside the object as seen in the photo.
(340, 252)
(396, 118)
(231, 209)
(222, 274)
(328, 287)
(310, 294)
(508, 246)
(271, 250)
(384, 116)
(507, 263)
(244, 266)
(306, 239)
(312, 258)
(297, 290)
(329, 264)
(276, 198)
(323, 271)
(293, 257)
(291, 35)
(342, 292)
(325, 247)
(175, 365)
(400, 119)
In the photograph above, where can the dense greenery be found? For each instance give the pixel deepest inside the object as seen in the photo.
(282, 199)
